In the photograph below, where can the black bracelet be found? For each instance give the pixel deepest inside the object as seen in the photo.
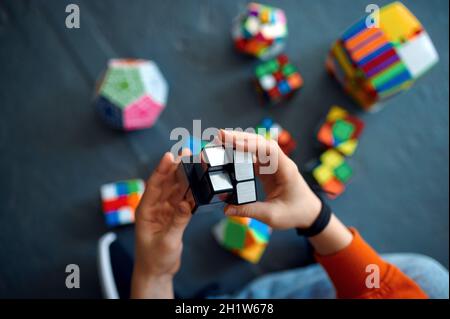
(319, 224)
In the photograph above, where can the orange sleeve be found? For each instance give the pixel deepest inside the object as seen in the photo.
(347, 271)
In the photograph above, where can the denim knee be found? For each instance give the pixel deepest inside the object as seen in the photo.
(428, 273)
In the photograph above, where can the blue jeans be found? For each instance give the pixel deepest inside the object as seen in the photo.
(312, 282)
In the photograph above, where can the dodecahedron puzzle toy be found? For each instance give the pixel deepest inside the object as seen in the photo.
(132, 94)
(271, 130)
(260, 31)
(332, 172)
(245, 237)
(373, 63)
(217, 174)
(120, 200)
(341, 131)
(277, 79)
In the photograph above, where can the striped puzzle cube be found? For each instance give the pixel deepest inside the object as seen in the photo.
(245, 237)
(340, 131)
(120, 200)
(277, 79)
(332, 172)
(271, 130)
(132, 94)
(260, 31)
(374, 63)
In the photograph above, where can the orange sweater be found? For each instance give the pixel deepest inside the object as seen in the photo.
(347, 270)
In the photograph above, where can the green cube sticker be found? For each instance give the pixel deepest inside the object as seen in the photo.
(234, 235)
(133, 186)
(343, 130)
(343, 172)
(289, 69)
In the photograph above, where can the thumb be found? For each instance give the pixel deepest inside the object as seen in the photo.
(257, 210)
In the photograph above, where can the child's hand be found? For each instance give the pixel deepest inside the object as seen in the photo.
(290, 202)
(161, 218)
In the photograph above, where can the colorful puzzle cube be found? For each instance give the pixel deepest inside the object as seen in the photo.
(332, 172)
(217, 174)
(245, 237)
(374, 63)
(271, 130)
(260, 31)
(277, 79)
(120, 200)
(132, 94)
(341, 131)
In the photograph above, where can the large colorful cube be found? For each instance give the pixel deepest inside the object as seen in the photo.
(272, 130)
(260, 31)
(132, 94)
(332, 172)
(374, 63)
(340, 131)
(245, 237)
(120, 200)
(277, 79)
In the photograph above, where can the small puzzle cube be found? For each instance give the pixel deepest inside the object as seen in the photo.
(375, 63)
(132, 94)
(277, 79)
(271, 130)
(120, 200)
(341, 131)
(332, 172)
(245, 237)
(216, 175)
(261, 31)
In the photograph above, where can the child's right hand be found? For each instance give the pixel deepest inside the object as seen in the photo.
(290, 203)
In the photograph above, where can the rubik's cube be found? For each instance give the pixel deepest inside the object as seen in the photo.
(341, 131)
(120, 200)
(375, 63)
(271, 130)
(217, 174)
(277, 79)
(132, 94)
(245, 237)
(332, 173)
(260, 31)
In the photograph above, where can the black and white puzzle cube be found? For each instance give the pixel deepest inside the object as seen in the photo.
(217, 174)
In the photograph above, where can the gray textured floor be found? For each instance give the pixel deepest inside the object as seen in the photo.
(54, 154)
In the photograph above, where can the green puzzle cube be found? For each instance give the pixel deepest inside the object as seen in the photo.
(234, 237)
(343, 172)
(343, 130)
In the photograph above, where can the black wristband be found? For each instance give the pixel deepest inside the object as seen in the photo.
(319, 224)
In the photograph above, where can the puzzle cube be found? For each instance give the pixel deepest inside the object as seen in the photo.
(216, 175)
(120, 200)
(341, 131)
(245, 237)
(260, 31)
(132, 94)
(375, 63)
(332, 172)
(271, 130)
(277, 79)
